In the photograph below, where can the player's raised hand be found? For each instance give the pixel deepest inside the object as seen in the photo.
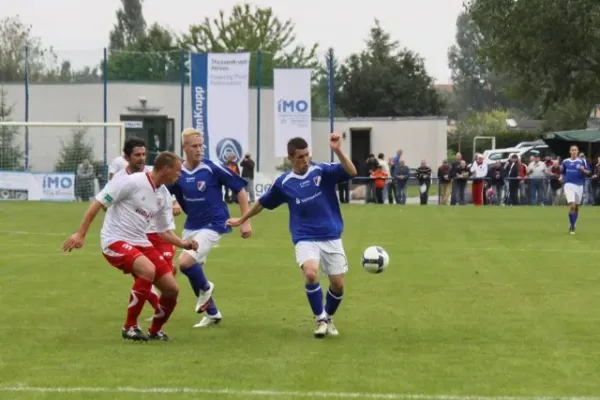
(190, 245)
(246, 230)
(233, 222)
(335, 141)
(75, 241)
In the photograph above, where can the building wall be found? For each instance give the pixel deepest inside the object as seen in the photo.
(418, 137)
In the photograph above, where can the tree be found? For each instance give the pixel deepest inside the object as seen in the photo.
(385, 81)
(15, 38)
(74, 151)
(11, 155)
(547, 48)
(129, 27)
(252, 29)
(320, 89)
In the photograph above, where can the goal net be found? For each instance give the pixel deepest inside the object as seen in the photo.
(62, 161)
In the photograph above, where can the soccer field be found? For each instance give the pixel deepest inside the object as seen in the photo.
(476, 302)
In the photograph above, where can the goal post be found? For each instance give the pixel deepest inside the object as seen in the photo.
(56, 160)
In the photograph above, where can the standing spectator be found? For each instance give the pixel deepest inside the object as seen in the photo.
(454, 170)
(385, 167)
(391, 186)
(460, 181)
(397, 158)
(513, 168)
(587, 186)
(444, 179)
(479, 171)
(424, 178)
(248, 166)
(555, 184)
(380, 180)
(496, 176)
(84, 181)
(401, 174)
(536, 171)
(230, 197)
(595, 182)
(371, 165)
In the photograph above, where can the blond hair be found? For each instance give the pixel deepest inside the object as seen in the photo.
(189, 132)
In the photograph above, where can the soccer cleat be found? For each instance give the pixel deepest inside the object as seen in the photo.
(331, 329)
(134, 333)
(209, 320)
(572, 230)
(321, 329)
(160, 335)
(204, 297)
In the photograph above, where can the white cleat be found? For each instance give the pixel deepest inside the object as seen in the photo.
(321, 329)
(209, 320)
(331, 329)
(204, 297)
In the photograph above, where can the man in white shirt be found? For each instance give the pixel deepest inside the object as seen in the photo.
(385, 167)
(117, 164)
(479, 171)
(132, 202)
(538, 174)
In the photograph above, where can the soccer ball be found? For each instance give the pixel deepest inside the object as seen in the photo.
(375, 260)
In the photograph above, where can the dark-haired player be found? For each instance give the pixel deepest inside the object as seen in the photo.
(316, 224)
(573, 173)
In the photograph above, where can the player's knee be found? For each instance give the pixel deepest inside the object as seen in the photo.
(310, 269)
(186, 260)
(168, 286)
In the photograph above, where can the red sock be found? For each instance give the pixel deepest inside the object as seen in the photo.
(140, 293)
(166, 307)
(153, 299)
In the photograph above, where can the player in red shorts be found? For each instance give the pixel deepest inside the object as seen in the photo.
(132, 202)
(134, 152)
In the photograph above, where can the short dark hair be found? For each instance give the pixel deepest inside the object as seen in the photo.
(296, 143)
(165, 159)
(380, 156)
(131, 143)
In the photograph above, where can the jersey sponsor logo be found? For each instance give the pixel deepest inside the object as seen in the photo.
(227, 147)
(317, 180)
(108, 198)
(201, 186)
(144, 213)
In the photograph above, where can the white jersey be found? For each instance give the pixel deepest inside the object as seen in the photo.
(163, 190)
(116, 165)
(132, 203)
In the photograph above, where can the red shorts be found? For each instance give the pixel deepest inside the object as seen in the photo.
(164, 248)
(122, 255)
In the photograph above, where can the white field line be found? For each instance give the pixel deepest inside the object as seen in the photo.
(272, 393)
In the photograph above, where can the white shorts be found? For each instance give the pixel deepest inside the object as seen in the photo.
(206, 238)
(329, 254)
(573, 193)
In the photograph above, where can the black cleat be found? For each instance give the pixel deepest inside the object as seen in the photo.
(160, 335)
(134, 333)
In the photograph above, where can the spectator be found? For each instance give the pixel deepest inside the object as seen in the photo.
(385, 168)
(496, 177)
(380, 180)
(424, 178)
(479, 171)
(513, 170)
(460, 181)
(444, 179)
(401, 174)
(371, 165)
(233, 167)
(248, 166)
(536, 171)
(84, 181)
(595, 182)
(555, 185)
(587, 188)
(456, 185)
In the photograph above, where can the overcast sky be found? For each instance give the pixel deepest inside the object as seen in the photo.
(78, 29)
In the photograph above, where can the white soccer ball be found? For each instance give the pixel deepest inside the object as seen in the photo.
(375, 259)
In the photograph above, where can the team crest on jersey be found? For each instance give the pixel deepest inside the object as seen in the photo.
(201, 186)
(317, 180)
(159, 202)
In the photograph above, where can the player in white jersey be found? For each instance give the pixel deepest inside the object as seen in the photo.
(132, 203)
(117, 164)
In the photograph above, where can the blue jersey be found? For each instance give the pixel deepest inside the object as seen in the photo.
(199, 192)
(571, 170)
(311, 198)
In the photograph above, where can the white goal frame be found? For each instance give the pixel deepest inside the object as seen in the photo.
(120, 125)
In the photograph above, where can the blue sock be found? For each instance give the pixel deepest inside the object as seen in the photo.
(572, 218)
(315, 298)
(195, 275)
(333, 301)
(212, 308)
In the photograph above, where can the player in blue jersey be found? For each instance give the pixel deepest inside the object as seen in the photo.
(199, 192)
(316, 225)
(573, 174)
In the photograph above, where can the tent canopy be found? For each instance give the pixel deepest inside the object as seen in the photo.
(588, 141)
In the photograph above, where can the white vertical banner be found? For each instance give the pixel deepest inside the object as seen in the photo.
(227, 108)
(291, 91)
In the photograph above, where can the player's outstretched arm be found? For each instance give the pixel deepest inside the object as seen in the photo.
(253, 211)
(246, 228)
(176, 241)
(75, 241)
(336, 145)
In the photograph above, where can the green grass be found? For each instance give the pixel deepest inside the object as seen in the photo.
(489, 301)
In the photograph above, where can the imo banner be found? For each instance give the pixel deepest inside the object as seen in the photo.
(292, 107)
(220, 109)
